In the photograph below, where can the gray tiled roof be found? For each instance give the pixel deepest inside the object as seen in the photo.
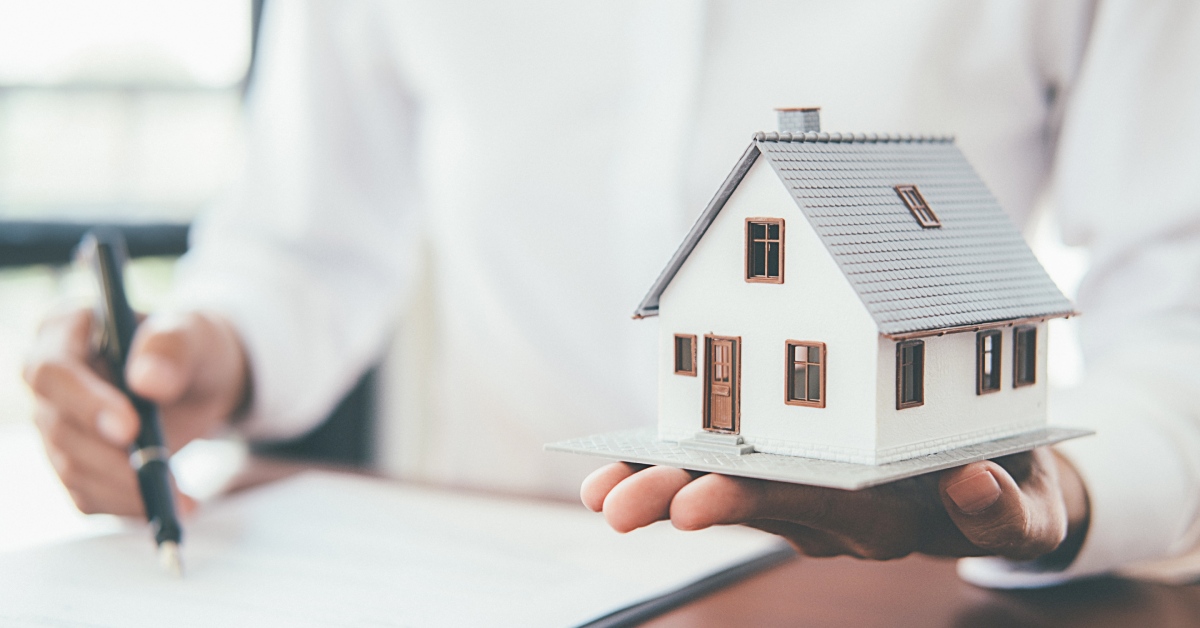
(976, 268)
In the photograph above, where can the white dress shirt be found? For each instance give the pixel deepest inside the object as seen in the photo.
(507, 179)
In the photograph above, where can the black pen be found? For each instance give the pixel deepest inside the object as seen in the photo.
(104, 251)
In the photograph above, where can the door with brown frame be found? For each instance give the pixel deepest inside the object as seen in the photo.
(722, 388)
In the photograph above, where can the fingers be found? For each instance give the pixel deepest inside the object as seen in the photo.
(643, 498)
(162, 358)
(1000, 516)
(631, 499)
(194, 367)
(596, 486)
(59, 375)
(817, 521)
(87, 424)
(96, 473)
(722, 500)
(803, 539)
(84, 399)
(65, 334)
(977, 509)
(713, 500)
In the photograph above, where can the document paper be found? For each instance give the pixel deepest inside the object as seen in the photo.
(325, 549)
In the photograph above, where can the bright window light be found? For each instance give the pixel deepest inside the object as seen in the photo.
(194, 43)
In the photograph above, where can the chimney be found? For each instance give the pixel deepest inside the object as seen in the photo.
(797, 120)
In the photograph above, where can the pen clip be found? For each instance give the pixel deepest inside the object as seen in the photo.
(105, 340)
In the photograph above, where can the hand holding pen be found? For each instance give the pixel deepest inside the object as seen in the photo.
(191, 366)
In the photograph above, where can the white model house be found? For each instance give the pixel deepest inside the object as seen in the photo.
(855, 298)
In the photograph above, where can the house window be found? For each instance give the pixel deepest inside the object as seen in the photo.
(1024, 356)
(916, 204)
(764, 250)
(805, 374)
(910, 374)
(987, 362)
(685, 355)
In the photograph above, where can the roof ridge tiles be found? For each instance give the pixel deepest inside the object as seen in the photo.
(850, 138)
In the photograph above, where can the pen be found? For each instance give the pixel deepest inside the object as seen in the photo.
(104, 251)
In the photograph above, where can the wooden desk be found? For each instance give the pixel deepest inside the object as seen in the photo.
(919, 591)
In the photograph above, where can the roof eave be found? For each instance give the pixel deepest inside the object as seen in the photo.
(974, 327)
(645, 313)
(649, 305)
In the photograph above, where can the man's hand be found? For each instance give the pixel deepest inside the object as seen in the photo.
(192, 366)
(1020, 507)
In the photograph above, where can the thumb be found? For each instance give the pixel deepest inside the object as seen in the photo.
(161, 360)
(996, 515)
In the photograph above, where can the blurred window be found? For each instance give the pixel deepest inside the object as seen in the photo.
(120, 109)
(111, 111)
(185, 43)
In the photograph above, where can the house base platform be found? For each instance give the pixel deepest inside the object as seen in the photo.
(643, 446)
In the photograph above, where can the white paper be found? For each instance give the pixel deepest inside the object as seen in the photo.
(337, 550)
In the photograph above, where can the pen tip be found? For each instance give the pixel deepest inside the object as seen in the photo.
(168, 557)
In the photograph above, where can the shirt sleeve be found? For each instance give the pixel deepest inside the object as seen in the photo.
(311, 255)
(1127, 188)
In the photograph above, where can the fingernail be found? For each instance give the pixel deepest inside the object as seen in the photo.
(975, 493)
(112, 427)
(150, 373)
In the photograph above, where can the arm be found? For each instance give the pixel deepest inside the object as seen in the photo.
(1126, 495)
(1127, 189)
(310, 257)
(291, 284)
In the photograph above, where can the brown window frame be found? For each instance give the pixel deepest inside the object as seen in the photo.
(749, 243)
(1019, 356)
(912, 198)
(981, 358)
(790, 365)
(691, 338)
(920, 373)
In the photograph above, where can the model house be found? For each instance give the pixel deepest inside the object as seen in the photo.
(849, 310)
(856, 298)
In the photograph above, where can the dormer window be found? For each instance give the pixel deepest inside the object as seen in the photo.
(916, 204)
(764, 250)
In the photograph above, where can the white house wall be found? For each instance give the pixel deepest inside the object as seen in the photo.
(709, 295)
(953, 414)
